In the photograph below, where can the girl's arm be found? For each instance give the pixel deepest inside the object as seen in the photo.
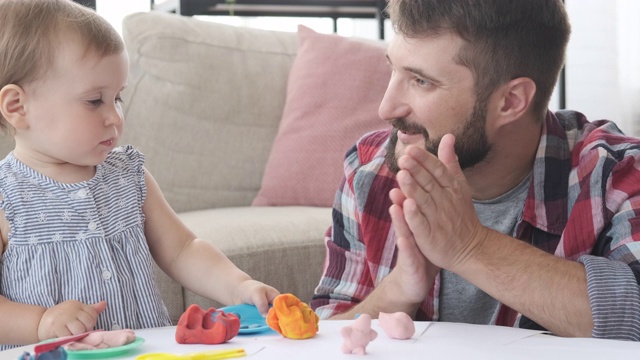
(19, 322)
(27, 324)
(195, 263)
(4, 231)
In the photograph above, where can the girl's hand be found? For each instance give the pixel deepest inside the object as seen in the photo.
(256, 293)
(69, 318)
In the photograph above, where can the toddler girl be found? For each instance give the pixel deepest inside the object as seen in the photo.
(81, 219)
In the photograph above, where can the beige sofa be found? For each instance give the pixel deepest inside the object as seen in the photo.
(202, 109)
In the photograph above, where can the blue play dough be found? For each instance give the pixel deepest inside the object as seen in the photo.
(56, 354)
(250, 319)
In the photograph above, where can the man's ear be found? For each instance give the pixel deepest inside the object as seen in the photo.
(12, 107)
(516, 98)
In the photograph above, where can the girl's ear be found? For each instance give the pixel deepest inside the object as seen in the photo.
(12, 98)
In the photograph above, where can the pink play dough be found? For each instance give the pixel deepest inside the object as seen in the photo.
(397, 325)
(103, 340)
(358, 335)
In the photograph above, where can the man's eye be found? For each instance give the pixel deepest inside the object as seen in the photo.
(421, 82)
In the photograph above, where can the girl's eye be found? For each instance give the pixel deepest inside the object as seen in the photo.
(119, 100)
(95, 102)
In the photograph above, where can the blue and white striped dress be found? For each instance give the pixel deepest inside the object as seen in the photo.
(82, 241)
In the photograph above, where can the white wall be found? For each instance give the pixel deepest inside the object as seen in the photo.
(603, 62)
(629, 62)
(115, 10)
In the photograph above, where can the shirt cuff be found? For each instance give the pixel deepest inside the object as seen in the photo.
(614, 296)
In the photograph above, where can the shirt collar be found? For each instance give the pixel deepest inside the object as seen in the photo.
(546, 204)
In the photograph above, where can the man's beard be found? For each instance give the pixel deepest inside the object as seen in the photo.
(471, 146)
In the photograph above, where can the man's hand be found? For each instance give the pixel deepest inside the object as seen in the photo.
(438, 208)
(69, 318)
(439, 212)
(412, 277)
(408, 284)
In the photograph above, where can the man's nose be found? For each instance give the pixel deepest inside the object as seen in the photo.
(393, 103)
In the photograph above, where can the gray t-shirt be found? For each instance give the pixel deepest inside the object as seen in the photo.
(461, 301)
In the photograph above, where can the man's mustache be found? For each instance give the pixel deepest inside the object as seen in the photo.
(407, 127)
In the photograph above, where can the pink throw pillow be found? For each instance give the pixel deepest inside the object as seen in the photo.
(335, 87)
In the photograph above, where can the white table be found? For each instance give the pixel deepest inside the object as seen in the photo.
(436, 341)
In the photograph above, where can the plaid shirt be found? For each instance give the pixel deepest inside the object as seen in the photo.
(583, 204)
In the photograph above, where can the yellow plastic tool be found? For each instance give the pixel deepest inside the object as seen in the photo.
(204, 355)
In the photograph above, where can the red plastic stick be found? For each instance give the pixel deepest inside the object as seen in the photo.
(43, 348)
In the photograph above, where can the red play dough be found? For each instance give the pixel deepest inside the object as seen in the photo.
(197, 326)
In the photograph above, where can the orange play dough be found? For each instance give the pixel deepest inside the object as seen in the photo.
(292, 318)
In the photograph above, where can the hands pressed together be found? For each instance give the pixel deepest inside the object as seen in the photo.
(434, 218)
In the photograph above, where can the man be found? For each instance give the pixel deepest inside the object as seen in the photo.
(479, 205)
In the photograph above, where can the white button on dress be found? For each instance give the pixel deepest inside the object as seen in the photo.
(106, 274)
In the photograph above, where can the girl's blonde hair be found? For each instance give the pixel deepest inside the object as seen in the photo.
(31, 29)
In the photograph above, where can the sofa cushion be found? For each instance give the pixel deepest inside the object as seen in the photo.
(203, 103)
(264, 242)
(335, 87)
